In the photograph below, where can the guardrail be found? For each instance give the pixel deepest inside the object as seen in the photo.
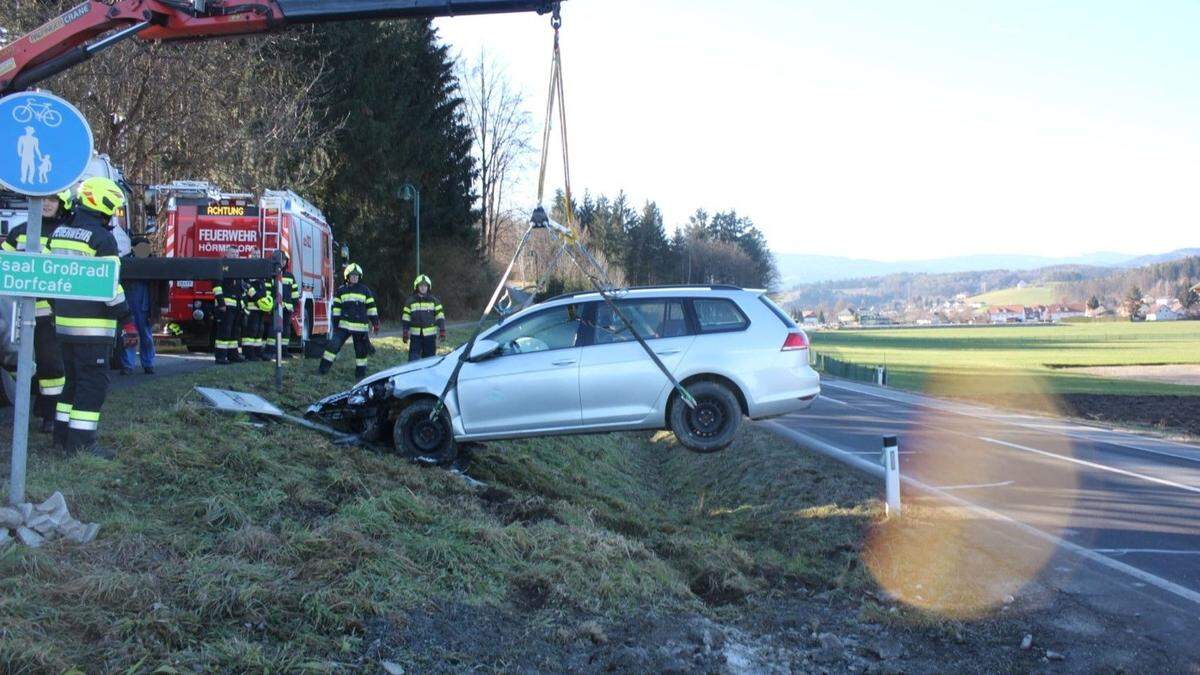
(849, 370)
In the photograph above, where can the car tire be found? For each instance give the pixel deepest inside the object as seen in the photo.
(712, 424)
(420, 438)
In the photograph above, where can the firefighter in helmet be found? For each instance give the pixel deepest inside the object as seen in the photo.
(289, 294)
(86, 328)
(258, 305)
(423, 321)
(47, 354)
(227, 295)
(354, 314)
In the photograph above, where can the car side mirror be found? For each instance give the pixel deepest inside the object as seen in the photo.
(484, 350)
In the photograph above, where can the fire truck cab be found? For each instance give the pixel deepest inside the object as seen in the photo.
(201, 221)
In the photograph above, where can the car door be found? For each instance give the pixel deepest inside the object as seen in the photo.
(618, 382)
(533, 382)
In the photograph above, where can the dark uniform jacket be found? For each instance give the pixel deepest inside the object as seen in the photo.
(423, 315)
(15, 241)
(290, 294)
(354, 308)
(227, 295)
(87, 234)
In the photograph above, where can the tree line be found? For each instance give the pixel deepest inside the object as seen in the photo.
(345, 114)
(718, 248)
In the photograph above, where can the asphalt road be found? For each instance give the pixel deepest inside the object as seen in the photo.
(1129, 497)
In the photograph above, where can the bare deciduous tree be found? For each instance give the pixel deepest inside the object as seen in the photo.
(502, 131)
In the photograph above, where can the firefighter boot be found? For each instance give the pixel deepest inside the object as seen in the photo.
(47, 426)
(324, 368)
(360, 372)
(97, 450)
(235, 356)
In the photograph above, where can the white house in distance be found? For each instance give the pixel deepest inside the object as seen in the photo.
(1007, 314)
(1163, 313)
(1059, 312)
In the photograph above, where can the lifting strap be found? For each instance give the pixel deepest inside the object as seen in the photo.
(565, 235)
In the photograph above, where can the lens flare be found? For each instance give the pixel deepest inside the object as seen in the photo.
(949, 559)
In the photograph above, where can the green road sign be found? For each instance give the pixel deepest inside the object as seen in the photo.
(58, 276)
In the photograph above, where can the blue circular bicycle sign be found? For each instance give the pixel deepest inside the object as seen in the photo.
(45, 143)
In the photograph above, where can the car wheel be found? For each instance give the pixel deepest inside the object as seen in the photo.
(712, 424)
(419, 437)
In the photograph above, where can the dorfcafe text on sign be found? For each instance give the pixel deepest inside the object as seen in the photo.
(57, 276)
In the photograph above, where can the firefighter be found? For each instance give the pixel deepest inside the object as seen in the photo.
(423, 321)
(86, 328)
(290, 296)
(256, 304)
(47, 354)
(228, 306)
(353, 309)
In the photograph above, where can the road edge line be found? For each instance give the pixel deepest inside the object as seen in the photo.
(838, 454)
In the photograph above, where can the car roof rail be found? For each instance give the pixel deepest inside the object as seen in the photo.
(659, 287)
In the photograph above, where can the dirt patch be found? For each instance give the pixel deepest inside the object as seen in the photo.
(1187, 374)
(1166, 413)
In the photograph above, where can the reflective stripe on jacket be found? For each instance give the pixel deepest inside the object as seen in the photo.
(423, 315)
(354, 308)
(87, 234)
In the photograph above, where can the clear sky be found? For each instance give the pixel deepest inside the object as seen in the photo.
(889, 129)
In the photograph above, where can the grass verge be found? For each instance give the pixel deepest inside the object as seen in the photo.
(1005, 360)
(232, 546)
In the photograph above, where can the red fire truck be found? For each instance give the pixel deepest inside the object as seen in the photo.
(201, 221)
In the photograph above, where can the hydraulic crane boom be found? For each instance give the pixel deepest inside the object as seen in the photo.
(94, 25)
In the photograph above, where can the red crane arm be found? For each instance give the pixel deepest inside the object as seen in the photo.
(92, 26)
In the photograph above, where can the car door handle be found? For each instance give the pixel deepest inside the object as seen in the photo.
(667, 352)
(569, 362)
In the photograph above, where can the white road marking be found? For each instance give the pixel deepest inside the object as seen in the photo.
(1093, 465)
(1042, 424)
(832, 400)
(821, 446)
(977, 485)
(1154, 551)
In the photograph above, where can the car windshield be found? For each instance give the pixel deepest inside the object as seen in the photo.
(554, 328)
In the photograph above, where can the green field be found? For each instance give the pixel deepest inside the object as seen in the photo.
(1030, 295)
(1019, 359)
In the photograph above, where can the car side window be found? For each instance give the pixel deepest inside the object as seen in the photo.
(652, 318)
(555, 328)
(717, 315)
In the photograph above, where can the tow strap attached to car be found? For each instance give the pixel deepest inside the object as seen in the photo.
(568, 240)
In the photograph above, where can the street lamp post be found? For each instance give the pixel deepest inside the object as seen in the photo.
(409, 192)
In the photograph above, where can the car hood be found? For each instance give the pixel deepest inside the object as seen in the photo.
(402, 369)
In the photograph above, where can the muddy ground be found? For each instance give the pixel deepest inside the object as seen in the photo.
(791, 630)
(1179, 414)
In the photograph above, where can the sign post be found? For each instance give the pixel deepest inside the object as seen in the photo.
(53, 145)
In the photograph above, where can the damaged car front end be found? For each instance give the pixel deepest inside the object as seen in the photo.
(370, 407)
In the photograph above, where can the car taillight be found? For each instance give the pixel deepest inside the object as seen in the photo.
(796, 340)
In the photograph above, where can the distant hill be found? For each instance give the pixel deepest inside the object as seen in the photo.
(1037, 294)
(1178, 254)
(806, 269)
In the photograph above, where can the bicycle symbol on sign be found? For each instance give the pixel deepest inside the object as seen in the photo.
(42, 112)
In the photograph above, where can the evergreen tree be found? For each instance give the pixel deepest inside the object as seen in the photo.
(392, 88)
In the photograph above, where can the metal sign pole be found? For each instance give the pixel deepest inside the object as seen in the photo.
(278, 322)
(25, 365)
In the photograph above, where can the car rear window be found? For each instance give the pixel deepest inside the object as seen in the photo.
(716, 315)
(777, 311)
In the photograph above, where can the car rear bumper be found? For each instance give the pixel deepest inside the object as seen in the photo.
(803, 387)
